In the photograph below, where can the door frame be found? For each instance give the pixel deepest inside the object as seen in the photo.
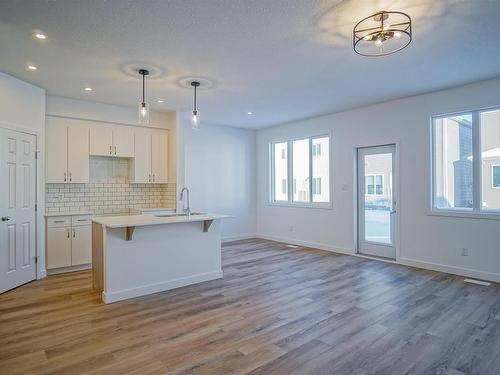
(40, 270)
(396, 182)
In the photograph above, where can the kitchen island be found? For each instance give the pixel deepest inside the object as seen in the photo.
(140, 254)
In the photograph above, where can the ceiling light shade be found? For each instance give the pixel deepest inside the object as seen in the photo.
(143, 109)
(195, 116)
(382, 33)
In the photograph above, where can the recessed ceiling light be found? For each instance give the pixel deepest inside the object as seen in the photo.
(88, 89)
(249, 113)
(39, 35)
(31, 67)
(159, 101)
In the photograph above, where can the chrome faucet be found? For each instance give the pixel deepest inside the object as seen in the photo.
(186, 210)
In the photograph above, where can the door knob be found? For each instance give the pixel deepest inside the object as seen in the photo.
(5, 218)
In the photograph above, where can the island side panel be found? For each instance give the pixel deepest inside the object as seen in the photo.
(160, 257)
(97, 257)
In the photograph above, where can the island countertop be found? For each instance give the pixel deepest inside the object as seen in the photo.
(145, 220)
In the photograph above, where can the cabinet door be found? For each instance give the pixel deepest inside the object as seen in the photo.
(57, 151)
(142, 160)
(123, 141)
(101, 140)
(81, 245)
(78, 154)
(58, 247)
(159, 159)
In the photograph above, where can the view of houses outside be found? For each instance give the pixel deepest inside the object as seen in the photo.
(378, 198)
(318, 149)
(453, 161)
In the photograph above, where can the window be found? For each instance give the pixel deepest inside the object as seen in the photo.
(302, 169)
(466, 162)
(374, 184)
(495, 176)
(281, 172)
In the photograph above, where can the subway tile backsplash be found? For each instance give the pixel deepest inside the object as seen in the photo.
(109, 191)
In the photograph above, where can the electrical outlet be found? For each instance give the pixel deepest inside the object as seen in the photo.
(464, 252)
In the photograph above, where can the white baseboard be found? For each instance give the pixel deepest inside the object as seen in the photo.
(80, 267)
(315, 245)
(41, 275)
(159, 287)
(467, 272)
(239, 237)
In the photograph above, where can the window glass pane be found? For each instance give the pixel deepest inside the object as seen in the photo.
(301, 170)
(453, 162)
(280, 171)
(490, 160)
(321, 169)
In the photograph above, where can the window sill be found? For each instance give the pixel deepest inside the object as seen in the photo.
(466, 215)
(324, 206)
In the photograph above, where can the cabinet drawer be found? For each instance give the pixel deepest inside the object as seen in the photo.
(59, 221)
(80, 220)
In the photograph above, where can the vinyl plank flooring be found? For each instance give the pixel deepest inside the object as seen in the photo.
(278, 310)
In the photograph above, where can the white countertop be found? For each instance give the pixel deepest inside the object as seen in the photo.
(144, 220)
(68, 213)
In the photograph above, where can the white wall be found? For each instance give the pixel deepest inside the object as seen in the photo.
(429, 241)
(219, 170)
(22, 107)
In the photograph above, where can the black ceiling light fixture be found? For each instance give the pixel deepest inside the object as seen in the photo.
(143, 106)
(382, 33)
(195, 118)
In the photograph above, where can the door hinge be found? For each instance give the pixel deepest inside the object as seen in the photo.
(35, 258)
(36, 207)
(36, 154)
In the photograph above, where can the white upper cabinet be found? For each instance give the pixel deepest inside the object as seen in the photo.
(101, 140)
(112, 141)
(78, 154)
(151, 157)
(159, 156)
(57, 151)
(123, 141)
(141, 168)
(67, 151)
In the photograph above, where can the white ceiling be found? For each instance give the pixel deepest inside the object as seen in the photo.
(281, 59)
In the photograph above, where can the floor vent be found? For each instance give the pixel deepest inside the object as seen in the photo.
(479, 282)
(292, 246)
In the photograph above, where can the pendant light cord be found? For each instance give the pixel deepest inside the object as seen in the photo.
(195, 99)
(143, 85)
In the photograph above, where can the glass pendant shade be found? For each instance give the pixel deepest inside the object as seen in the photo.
(143, 113)
(195, 120)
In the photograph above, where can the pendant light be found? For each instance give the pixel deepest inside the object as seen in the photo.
(195, 118)
(143, 106)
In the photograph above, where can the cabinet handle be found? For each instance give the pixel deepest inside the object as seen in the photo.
(74, 233)
(64, 176)
(67, 233)
(154, 177)
(115, 150)
(70, 177)
(110, 150)
(58, 221)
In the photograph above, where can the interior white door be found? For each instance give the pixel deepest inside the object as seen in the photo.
(17, 208)
(142, 161)
(57, 151)
(101, 140)
(377, 201)
(159, 159)
(81, 245)
(123, 142)
(78, 154)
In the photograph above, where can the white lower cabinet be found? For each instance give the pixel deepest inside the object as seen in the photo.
(69, 241)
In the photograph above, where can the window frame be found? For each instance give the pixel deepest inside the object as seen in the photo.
(290, 202)
(493, 176)
(476, 211)
(374, 185)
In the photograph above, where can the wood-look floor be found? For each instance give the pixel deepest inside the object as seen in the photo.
(278, 310)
